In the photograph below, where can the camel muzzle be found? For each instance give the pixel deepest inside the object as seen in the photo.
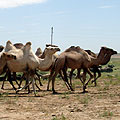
(58, 49)
(115, 52)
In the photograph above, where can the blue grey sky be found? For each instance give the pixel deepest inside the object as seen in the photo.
(89, 24)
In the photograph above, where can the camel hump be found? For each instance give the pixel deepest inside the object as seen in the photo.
(38, 52)
(91, 53)
(73, 48)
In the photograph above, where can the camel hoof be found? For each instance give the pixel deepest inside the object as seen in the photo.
(92, 81)
(48, 90)
(2, 88)
(72, 90)
(17, 91)
(85, 92)
(54, 92)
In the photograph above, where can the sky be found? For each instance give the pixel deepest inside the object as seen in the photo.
(89, 24)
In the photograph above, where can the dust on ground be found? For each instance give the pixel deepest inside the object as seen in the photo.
(100, 103)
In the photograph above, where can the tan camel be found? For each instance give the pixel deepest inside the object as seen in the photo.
(27, 60)
(77, 58)
(8, 48)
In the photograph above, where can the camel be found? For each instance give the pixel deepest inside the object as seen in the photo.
(77, 58)
(94, 69)
(28, 61)
(18, 46)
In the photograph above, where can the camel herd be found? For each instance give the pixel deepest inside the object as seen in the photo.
(21, 58)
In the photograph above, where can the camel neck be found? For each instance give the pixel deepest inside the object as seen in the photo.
(45, 64)
(97, 61)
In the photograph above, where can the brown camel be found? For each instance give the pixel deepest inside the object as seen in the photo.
(77, 58)
(95, 69)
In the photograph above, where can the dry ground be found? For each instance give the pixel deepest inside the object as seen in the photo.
(100, 103)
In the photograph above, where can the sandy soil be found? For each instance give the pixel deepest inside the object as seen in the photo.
(100, 103)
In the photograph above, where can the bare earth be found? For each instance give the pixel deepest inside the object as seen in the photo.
(100, 103)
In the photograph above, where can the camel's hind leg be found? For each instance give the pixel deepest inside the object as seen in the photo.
(50, 78)
(66, 80)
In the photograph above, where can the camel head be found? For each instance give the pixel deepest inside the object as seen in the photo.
(108, 52)
(1, 48)
(38, 52)
(51, 50)
(8, 56)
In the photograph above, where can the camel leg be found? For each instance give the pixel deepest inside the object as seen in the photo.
(33, 85)
(37, 85)
(39, 78)
(62, 76)
(53, 81)
(27, 82)
(15, 79)
(10, 80)
(4, 78)
(95, 78)
(83, 81)
(24, 87)
(66, 80)
(78, 73)
(22, 78)
(50, 78)
(71, 73)
(91, 76)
